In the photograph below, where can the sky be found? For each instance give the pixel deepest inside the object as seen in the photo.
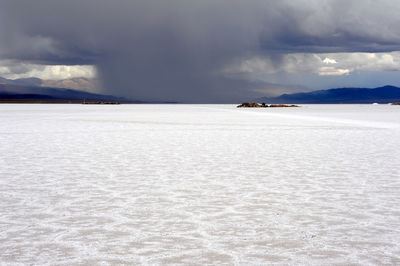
(203, 51)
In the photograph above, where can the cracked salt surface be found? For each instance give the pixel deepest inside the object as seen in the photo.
(199, 184)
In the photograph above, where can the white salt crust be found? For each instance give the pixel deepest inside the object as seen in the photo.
(199, 184)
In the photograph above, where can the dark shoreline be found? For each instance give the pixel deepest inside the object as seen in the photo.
(20, 101)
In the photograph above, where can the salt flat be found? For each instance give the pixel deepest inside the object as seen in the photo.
(199, 184)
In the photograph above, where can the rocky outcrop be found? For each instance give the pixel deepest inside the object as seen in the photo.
(250, 105)
(395, 103)
(264, 105)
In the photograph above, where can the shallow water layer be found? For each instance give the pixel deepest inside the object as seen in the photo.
(199, 184)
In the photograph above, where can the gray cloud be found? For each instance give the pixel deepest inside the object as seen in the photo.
(177, 49)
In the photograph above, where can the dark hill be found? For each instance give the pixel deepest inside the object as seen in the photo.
(386, 94)
(30, 93)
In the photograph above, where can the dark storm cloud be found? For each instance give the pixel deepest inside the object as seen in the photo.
(175, 49)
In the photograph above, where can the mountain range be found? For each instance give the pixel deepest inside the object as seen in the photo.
(385, 94)
(33, 90)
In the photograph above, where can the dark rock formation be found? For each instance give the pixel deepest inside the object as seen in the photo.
(264, 105)
(250, 105)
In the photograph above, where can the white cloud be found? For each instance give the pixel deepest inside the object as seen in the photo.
(14, 70)
(329, 61)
